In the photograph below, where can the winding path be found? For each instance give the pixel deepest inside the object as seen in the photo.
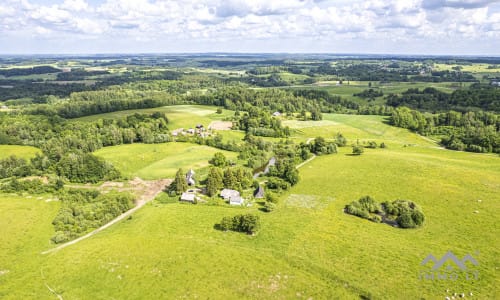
(151, 190)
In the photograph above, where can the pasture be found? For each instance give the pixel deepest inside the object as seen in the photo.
(179, 116)
(307, 248)
(155, 161)
(26, 152)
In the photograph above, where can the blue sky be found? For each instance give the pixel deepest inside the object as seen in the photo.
(319, 26)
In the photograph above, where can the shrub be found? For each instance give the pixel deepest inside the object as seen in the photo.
(269, 207)
(247, 223)
(357, 150)
(405, 220)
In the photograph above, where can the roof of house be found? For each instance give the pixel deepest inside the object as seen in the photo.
(259, 192)
(238, 200)
(229, 194)
(187, 197)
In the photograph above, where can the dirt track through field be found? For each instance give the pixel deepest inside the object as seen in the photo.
(145, 190)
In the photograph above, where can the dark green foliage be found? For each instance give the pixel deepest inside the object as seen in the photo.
(472, 131)
(247, 223)
(357, 149)
(405, 214)
(269, 206)
(370, 94)
(272, 198)
(31, 186)
(82, 211)
(382, 145)
(277, 184)
(86, 167)
(13, 166)
(219, 160)
(179, 185)
(372, 145)
(340, 140)
(214, 181)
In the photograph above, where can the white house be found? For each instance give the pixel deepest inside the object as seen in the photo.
(187, 197)
(232, 196)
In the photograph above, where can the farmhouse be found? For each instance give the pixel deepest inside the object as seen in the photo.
(190, 177)
(232, 196)
(187, 197)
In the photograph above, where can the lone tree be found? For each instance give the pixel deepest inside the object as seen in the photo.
(180, 183)
(357, 149)
(214, 181)
(340, 140)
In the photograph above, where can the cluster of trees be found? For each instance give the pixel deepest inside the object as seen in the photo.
(247, 223)
(84, 210)
(404, 213)
(259, 122)
(370, 94)
(31, 186)
(28, 71)
(320, 146)
(67, 146)
(484, 97)
(470, 131)
(235, 178)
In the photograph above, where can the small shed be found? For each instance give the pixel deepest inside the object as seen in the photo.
(259, 192)
(236, 200)
(187, 197)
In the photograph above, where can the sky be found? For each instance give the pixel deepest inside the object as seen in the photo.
(439, 27)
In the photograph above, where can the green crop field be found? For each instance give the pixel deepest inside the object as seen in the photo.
(307, 248)
(153, 161)
(179, 116)
(26, 152)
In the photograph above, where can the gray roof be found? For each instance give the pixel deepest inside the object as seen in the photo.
(259, 192)
(187, 197)
(236, 200)
(228, 194)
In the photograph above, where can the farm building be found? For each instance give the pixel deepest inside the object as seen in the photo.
(259, 192)
(232, 196)
(187, 197)
(276, 114)
(190, 177)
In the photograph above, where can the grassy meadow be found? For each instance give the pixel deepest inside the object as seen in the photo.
(26, 152)
(179, 116)
(155, 161)
(307, 248)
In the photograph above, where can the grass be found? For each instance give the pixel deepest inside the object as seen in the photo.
(307, 248)
(159, 160)
(179, 116)
(26, 229)
(26, 152)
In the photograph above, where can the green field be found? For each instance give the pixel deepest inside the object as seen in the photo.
(179, 116)
(159, 160)
(307, 249)
(26, 152)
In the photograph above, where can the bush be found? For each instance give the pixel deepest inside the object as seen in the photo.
(269, 207)
(357, 150)
(406, 213)
(247, 223)
(405, 220)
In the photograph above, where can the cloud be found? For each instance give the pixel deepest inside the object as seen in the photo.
(466, 4)
(299, 23)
